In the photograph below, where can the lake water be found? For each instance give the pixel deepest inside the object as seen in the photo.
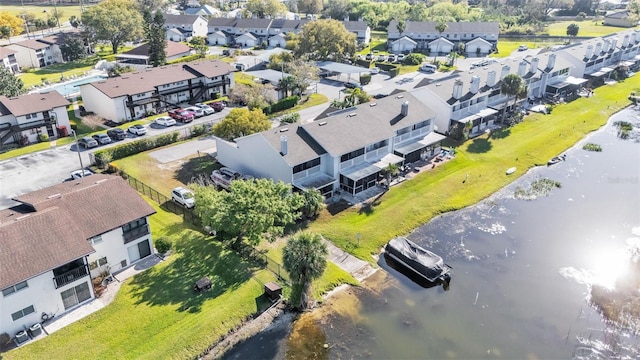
(521, 274)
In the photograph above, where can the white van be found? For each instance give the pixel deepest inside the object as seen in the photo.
(430, 68)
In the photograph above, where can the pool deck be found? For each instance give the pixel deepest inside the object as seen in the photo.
(49, 87)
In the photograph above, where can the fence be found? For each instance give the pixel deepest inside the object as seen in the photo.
(188, 215)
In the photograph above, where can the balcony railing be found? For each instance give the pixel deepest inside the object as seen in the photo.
(136, 233)
(71, 276)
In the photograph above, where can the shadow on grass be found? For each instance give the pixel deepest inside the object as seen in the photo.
(500, 133)
(196, 257)
(338, 207)
(369, 207)
(479, 146)
(202, 165)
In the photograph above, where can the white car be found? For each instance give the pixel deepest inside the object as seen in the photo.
(183, 197)
(208, 110)
(165, 121)
(75, 175)
(137, 130)
(523, 47)
(375, 70)
(198, 112)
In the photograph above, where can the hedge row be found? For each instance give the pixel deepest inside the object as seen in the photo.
(364, 63)
(134, 147)
(286, 103)
(386, 66)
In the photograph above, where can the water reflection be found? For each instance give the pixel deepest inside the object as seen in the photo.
(387, 263)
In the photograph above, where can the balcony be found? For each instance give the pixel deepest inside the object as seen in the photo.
(70, 276)
(136, 233)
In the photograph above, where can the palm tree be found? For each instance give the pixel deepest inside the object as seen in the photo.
(313, 203)
(513, 85)
(440, 27)
(305, 258)
(287, 83)
(390, 171)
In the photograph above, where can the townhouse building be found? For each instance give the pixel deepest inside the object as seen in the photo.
(59, 238)
(154, 90)
(184, 27)
(36, 53)
(346, 151)
(25, 117)
(139, 57)
(8, 59)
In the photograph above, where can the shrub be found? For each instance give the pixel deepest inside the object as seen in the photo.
(135, 147)
(413, 59)
(43, 137)
(365, 79)
(363, 63)
(198, 130)
(283, 104)
(592, 147)
(290, 118)
(163, 245)
(394, 72)
(5, 340)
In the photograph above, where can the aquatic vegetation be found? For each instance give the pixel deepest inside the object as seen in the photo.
(592, 147)
(624, 129)
(539, 187)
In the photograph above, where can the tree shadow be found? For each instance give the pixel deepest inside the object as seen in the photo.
(499, 133)
(479, 145)
(201, 165)
(368, 207)
(338, 207)
(196, 256)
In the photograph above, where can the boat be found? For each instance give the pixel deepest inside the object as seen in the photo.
(556, 159)
(423, 262)
(511, 170)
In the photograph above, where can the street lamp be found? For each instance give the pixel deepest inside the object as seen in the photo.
(78, 151)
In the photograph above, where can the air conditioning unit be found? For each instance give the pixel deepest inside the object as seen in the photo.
(35, 330)
(22, 337)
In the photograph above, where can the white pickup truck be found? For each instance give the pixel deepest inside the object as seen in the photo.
(223, 177)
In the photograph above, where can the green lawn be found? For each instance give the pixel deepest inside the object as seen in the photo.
(507, 47)
(156, 314)
(41, 11)
(587, 28)
(484, 160)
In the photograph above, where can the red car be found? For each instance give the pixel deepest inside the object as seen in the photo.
(182, 115)
(217, 106)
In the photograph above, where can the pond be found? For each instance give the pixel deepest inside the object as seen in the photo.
(521, 274)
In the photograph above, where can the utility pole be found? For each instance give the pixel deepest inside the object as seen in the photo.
(78, 150)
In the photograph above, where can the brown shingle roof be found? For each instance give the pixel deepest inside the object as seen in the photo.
(210, 69)
(32, 44)
(5, 52)
(32, 103)
(173, 48)
(67, 215)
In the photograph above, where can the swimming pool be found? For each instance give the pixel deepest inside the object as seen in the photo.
(72, 87)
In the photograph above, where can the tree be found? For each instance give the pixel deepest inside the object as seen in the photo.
(304, 73)
(440, 28)
(313, 203)
(10, 85)
(75, 21)
(326, 40)
(251, 210)
(152, 5)
(262, 8)
(200, 44)
(286, 84)
(73, 49)
(352, 98)
(241, 122)
(6, 32)
(310, 6)
(513, 85)
(572, 30)
(15, 23)
(390, 171)
(633, 7)
(337, 9)
(155, 36)
(115, 21)
(255, 96)
(401, 26)
(305, 258)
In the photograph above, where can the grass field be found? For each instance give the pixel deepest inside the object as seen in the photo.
(484, 160)
(41, 11)
(587, 28)
(507, 47)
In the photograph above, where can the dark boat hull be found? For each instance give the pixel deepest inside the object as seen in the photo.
(422, 262)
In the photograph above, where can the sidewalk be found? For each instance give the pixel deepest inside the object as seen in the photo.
(359, 269)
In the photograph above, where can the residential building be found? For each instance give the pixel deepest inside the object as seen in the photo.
(35, 53)
(360, 29)
(595, 59)
(59, 238)
(619, 18)
(154, 90)
(139, 57)
(184, 27)
(475, 97)
(346, 150)
(25, 117)
(478, 38)
(8, 59)
(204, 10)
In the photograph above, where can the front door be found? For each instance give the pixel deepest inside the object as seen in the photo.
(75, 295)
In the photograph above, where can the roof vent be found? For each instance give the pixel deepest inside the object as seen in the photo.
(399, 96)
(373, 104)
(322, 123)
(58, 195)
(284, 129)
(353, 114)
(438, 84)
(101, 181)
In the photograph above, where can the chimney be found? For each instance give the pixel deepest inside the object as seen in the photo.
(475, 84)
(457, 89)
(636, 36)
(522, 68)
(404, 109)
(283, 145)
(534, 65)
(589, 52)
(606, 45)
(491, 78)
(505, 71)
(613, 44)
(551, 62)
(598, 48)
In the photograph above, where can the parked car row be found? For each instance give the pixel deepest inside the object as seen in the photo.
(392, 58)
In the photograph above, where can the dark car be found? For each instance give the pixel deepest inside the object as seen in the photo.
(226, 53)
(116, 134)
(380, 96)
(87, 142)
(218, 106)
(352, 85)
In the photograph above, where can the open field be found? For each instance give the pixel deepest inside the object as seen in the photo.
(587, 28)
(484, 160)
(506, 47)
(41, 11)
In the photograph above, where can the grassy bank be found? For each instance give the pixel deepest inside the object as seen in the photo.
(484, 160)
(587, 28)
(156, 314)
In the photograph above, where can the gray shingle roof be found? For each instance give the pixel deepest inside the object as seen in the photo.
(253, 23)
(67, 215)
(452, 27)
(227, 22)
(300, 146)
(170, 19)
(372, 122)
(355, 25)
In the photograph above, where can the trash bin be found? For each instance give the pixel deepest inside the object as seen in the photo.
(272, 291)
(62, 131)
(35, 330)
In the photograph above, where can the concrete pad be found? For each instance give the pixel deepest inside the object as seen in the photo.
(359, 269)
(204, 146)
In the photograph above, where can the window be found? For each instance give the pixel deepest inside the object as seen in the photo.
(352, 155)
(22, 313)
(100, 262)
(421, 124)
(403, 130)
(134, 225)
(75, 295)
(307, 165)
(15, 288)
(135, 230)
(377, 145)
(95, 240)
